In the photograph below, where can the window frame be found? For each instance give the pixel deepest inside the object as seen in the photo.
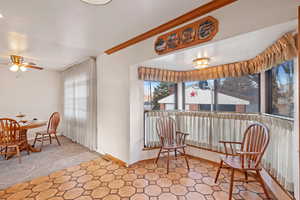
(268, 92)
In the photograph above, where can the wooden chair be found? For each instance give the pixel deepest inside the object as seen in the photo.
(248, 159)
(10, 138)
(51, 130)
(170, 139)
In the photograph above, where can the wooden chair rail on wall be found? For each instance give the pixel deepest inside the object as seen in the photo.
(198, 12)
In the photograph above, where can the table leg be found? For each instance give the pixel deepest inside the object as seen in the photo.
(23, 134)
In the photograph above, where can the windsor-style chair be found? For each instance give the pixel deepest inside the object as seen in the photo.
(170, 139)
(248, 159)
(51, 130)
(10, 138)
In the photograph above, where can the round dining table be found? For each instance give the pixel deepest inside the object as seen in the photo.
(25, 126)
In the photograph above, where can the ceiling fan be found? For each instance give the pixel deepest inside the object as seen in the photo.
(17, 64)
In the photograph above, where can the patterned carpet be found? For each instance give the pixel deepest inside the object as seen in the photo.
(101, 179)
(51, 159)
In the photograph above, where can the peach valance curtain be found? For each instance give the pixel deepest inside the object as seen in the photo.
(282, 50)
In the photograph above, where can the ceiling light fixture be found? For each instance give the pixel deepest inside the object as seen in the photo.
(14, 68)
(23, 69)
(97, 2)
(201, 63)
(1, 16)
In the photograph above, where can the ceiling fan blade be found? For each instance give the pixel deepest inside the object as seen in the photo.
(33, 67)
(4, 56)
(5, 63)
(29, 63)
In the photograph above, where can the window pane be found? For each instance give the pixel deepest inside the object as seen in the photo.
(159, 95)
(239, 94)
(75, 97)
(198, 95)
(282, 82)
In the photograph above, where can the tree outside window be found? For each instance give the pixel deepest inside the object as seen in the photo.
(159, 95)
(281, 90)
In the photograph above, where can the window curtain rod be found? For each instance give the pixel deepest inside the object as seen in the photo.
(282, 50)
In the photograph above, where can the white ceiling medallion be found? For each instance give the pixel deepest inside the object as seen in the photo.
(97, 2)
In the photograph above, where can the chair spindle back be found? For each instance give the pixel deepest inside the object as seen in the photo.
(166, 130)
(256, 139)
(9, 131)
(53, 122)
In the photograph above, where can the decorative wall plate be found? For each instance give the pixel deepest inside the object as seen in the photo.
(205, 29)
(173, 40)
(160, 45)
(188, 35)
(192, 34)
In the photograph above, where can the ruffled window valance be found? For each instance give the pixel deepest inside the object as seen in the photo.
(282, 50)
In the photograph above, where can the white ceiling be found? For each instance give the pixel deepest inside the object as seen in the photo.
(57, 33)
(230, 50)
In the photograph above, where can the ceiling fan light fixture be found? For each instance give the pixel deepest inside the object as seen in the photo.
(97, 2)
(201, 63)
(23, 68)
(14, 68)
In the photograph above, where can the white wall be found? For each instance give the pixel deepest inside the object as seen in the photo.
(34, 93)
(296, 131)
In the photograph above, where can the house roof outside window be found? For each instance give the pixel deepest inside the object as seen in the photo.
(202, 96)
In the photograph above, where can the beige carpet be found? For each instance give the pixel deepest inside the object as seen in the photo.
(51, 159)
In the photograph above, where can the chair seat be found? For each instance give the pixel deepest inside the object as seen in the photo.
(12, 144)
(236, 162)
(45, 132)
(173, 146)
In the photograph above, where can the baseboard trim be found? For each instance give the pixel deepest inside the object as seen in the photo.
(109, 157)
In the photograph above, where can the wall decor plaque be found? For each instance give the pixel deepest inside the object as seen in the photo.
(192, 34)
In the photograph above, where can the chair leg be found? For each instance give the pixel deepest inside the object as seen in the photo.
(168, 162)
(219, 170)
(57, 140)
(231, 184)
(18, 153)
(261, 181)
(186, 160)
(28, 149)
(50, 138)
(246, 177)
(175, 154)
(158, 155)
(42, 142)
(5, 155)
(36, 135)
